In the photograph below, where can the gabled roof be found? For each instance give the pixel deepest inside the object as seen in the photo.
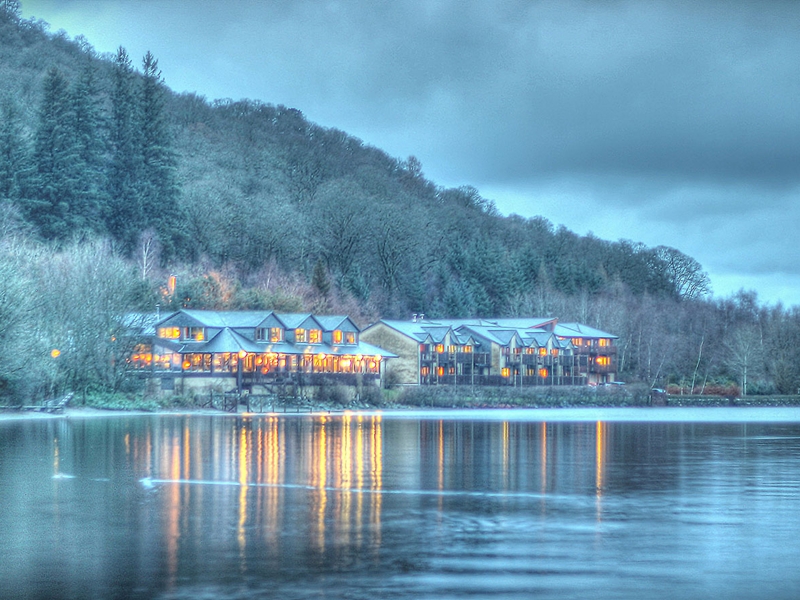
(538, 339)
(506, 335)
(408, 328)
(437, 333)
(529, 330)
(577, 330)
(296, 320)
(226, 340)
(331, 322)
(215, 319)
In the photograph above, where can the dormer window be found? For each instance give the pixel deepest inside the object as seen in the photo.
(350, 338)
(337, 336)
(271, 334)
(169, 333)
(197, 334)
(300, 336)
(314, 336)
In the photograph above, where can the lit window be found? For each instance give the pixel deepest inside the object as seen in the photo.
(440, 348)
(604, 341)
(554, 352)
(170, 333)
(440, 371)
(577, 341)
(467, 349)
(314, 336)
(542, 372)
(542, 351)
(350, 337)
(197, 334)
(300, 335)
(425, 371)
(451, 349)
(506, 372)
(602, 361)
(337, 336)
(275, 334)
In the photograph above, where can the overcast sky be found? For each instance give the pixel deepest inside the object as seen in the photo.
(670, 123)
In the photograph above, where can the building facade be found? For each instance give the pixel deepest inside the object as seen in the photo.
(516, 351)
(254, 351)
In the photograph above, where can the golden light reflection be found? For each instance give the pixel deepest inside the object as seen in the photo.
(320, 476)
(600, 459)
(244, 477)
(543, 454)
(173, 508)
(377, 478)
(359, 456)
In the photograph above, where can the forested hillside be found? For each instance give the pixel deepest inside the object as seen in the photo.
(249, 204)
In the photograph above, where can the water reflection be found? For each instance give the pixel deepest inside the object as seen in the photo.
(186, 506)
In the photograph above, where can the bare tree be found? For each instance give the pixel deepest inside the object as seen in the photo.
(684, 273)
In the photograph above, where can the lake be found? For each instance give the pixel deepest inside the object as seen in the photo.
(654, 503)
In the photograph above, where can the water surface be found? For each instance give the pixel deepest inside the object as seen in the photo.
(439, 505)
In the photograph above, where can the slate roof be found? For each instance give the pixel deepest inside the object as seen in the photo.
(232, 339)
(530, 330)
(579, 330)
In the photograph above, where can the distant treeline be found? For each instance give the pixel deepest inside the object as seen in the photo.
(251, 205)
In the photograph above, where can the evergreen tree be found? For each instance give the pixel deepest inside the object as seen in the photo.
(53, 197)
(159, 188)
(87, 127)
(124, 213)
(12, 152)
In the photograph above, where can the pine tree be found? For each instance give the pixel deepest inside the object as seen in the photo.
(124, 214)
(90, 147)
(52, 198)
(12, 153)
(159, 164)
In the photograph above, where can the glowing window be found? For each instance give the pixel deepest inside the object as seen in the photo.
(300, 335)
(604, 341)
(467, 349)
(275, 334)
(314, 336)
(506, 372)
(337, 336)
(542, 351)
(170, 333)
(350, 337)
(602, 361)
(440, 348)
(542, 372)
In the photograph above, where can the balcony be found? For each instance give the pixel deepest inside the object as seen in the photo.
(596, 350)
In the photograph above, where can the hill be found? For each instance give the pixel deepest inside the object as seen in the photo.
(251, 205)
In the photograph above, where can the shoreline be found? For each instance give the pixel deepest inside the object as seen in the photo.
(706, 414)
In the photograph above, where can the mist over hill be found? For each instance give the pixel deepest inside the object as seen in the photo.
(251, 205)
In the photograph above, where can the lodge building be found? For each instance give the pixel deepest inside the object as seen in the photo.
(198, 351)
(514, 351)
(201, 351)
